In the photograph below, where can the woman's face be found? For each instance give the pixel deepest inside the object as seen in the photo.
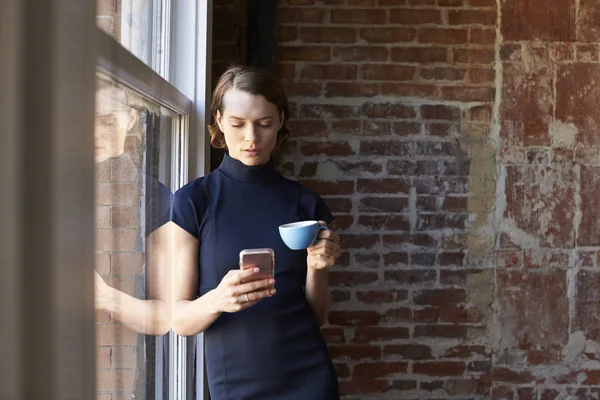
(113, 120)
(250, 124)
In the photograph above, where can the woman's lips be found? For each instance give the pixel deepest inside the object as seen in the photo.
(251, 152)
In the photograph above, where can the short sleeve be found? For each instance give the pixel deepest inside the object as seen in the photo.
(313, 207)
(158, 205)
(189, 207)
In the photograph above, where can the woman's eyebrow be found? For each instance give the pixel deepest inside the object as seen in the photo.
(243, 119)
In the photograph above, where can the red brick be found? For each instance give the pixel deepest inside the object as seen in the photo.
(346, 126)
(586, 304)
(339, 89)
(409, 90)
(441, 129)
(286, 33)
(439, 112)
(444, 74)
(441, 331)
(383, 204)
(533, 20)
(508, 259)
(114, 380)
(544, 357)
(410, 277)
(355, 352)
(419, 55)
(474, 56)
(392, 222)
(354, 318)
(381, 296)
(364, 386)
(578, 91)
(327, 111)
(421, 2)
(472, 17)
(439, 368)
(324, 34)
(443, 36)
(324, 187)
(326, 72)
(453, 278)
(511, 52)
(482, 3)
(404, 128)
(395, 258)
(588, 52)
(388, 35)
(503, 393)
(300, 15)
(304, 127)
(482, 75)
(467, 94)
(588, 21)
(471, 386)
(387, 110)
(339, 205)
(527, 110)
(368, 335)
(398, 314)
(589, 235)
(304, 89)
(342, 370)
(428, 314)
(356, 241)
(409, 351)
(417, 239)
(507, 375)
(553, 224)
(530, 300)
(455, 204)
(352, 278)
(304, 53)
(391, 2)
(464, 351)
(392, 148)
(361, 53)
(483, 36)
(286, 71)
(450, 3)
(361, 168)
(327, 148)
(379, 369)
(439, 297)
(387, 72)
(408, 16)
(358, 16)
(388, 185)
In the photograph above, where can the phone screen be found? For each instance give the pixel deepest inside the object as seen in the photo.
(264, 259)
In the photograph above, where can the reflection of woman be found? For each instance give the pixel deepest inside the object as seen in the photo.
(123, 136)
(263, 338)
(148, 312)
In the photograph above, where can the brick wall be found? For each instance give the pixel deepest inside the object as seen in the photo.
(393, 102)
(547, 278)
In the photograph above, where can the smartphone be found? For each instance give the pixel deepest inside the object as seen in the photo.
(264, 259)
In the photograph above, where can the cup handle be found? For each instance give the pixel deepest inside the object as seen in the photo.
(321, 227)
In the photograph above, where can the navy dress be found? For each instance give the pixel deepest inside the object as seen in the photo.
(274, 349)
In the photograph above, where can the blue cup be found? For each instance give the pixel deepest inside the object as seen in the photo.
(300, 235)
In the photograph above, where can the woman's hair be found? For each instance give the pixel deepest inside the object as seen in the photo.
(251, 80)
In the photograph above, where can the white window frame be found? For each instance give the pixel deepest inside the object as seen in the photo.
(50, 51)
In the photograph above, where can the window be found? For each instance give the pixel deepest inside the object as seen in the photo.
(119, 91)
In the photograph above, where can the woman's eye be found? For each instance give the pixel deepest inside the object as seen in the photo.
(237, 125)
(265, 125)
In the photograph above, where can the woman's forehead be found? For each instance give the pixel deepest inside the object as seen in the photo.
(245, 105)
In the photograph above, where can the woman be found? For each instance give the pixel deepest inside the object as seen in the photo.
(263, 338)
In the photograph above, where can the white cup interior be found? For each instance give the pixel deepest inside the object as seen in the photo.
(298, 224)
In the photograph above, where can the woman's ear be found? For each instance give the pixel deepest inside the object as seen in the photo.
(133, 119)
(281, 121)
(218, 118)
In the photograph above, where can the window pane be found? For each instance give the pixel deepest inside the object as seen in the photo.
(133, 139)
(141, 26)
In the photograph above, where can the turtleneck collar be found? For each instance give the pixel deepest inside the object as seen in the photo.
(239, 171)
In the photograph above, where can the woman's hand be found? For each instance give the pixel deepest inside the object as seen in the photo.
(233, 295)
(325, 251)
(102, 293)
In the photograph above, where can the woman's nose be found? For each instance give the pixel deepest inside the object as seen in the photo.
(251, 133)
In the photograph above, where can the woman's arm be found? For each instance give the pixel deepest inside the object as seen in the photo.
(193, 314)
(321, 256)
(153, 316)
